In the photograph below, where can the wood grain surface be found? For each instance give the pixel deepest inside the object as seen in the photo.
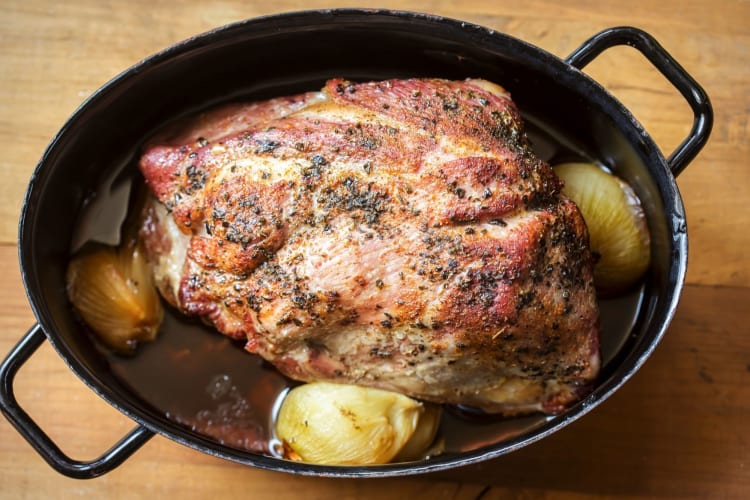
(678, 428)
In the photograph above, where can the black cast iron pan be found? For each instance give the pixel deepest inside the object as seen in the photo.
(284, 54)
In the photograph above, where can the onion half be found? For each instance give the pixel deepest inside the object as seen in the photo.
(112, 289)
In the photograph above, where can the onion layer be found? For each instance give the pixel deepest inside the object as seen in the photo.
(338, 424)
(616, 221)
(112, 290)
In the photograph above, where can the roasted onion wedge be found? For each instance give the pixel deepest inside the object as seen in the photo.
(338, 424)
(618, 233)
(112, 290)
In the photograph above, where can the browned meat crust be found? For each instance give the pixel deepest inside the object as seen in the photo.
(397, 234)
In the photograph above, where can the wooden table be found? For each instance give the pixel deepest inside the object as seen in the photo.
(679, 428)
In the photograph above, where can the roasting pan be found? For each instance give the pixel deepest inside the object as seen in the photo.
(293, 52)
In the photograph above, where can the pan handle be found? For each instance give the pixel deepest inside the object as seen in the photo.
(671, 69)
(38, 439)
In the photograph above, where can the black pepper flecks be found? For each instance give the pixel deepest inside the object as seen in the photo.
(196, 179)
(366, 202)
(265, 145)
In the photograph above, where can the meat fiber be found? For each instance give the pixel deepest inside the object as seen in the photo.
(397, 234)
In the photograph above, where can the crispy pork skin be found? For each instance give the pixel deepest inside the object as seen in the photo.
(397, 234)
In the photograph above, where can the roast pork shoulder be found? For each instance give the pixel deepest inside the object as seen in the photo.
(397, 234)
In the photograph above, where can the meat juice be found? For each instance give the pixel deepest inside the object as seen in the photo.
(210, 385)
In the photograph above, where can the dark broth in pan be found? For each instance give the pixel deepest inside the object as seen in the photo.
(209, 384)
